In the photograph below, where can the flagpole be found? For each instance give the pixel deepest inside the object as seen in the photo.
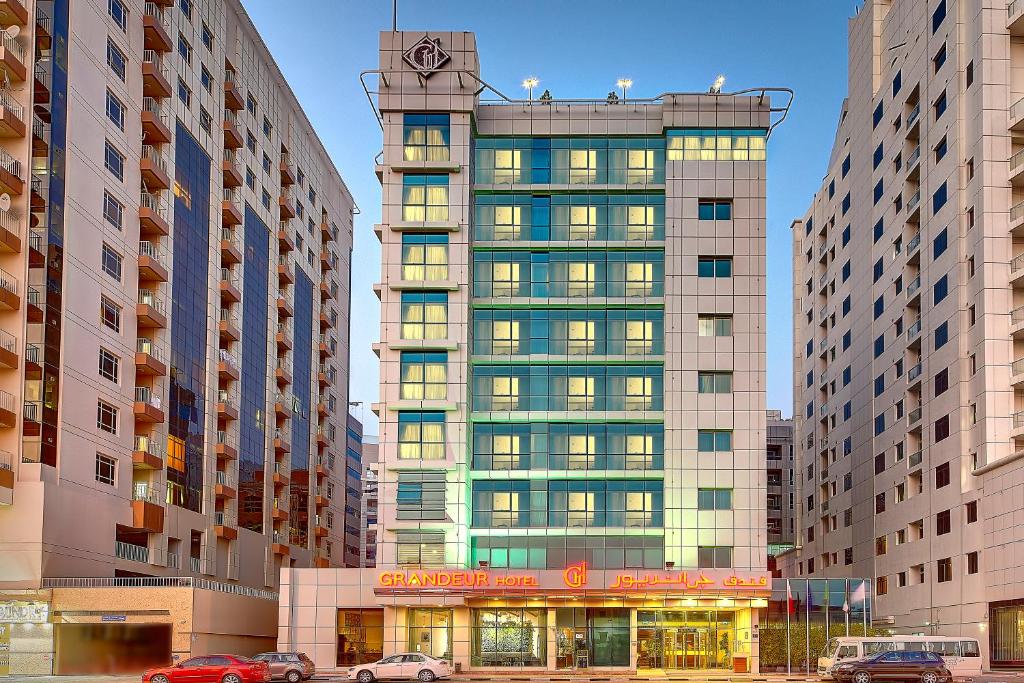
(847, 606)
(807, 621)
(789, 638)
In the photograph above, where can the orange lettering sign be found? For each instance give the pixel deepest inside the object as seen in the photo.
(575, 576)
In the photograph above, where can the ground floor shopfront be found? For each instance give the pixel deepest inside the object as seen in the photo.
(543, 620)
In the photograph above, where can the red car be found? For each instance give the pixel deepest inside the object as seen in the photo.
(211, 669)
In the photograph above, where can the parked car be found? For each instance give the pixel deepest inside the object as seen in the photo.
(408, 665)
(211, 669)
(904, 665)
(290, 666)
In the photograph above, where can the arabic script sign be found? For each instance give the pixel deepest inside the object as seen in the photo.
(426, 56)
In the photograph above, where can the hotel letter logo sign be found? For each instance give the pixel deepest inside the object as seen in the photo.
(426, 56)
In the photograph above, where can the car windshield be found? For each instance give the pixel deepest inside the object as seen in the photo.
(830, 648)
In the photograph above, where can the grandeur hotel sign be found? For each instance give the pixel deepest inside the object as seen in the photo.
(575, 578)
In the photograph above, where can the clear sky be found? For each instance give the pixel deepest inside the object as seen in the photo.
(577, 49)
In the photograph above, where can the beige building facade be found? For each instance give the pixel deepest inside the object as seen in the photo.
(907, 326)
(174, 303)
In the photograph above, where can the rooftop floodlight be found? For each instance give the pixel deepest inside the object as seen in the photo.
(530, 83)
(716, 87)
(624, 84)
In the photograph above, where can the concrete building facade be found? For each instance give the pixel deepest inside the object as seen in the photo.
(908, 325)
(370, 503)
(781, 484)
(175, 292)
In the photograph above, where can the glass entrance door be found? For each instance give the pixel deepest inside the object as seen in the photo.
(695, 639)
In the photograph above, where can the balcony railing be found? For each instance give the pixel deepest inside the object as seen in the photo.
(224, 518)
(914, 416)
(915, 459)
(225, 479)
(10, 105)
(6, 461)
(152, 202)
(130, 551)
(1017, 315)
(1017, 108)
(231, 193)
(195, 564)
(914, 329)
(230, 236)
(1017, 367)
(148, 444)
(172, 560)
(153, 57)
(147, 395)
(915, 199)
(8, 282)
(12, 45)
(914, 113)
(7, 341)
(150, 297)
(1017, 212)
(153, 154)
(283, 433)
(1018, 419)
(913, 244)
(149, 347)
(153, 106)
(1014, 8)
(154, 10)
(914, 285)
(229, 358)
(151, 249)
(914, 372)
(914, 156)
(10, 164)
(230, 116)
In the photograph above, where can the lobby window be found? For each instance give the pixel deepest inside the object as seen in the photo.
(113, 211)
(116, 59)
(714, 441)
(426, 137)
(110, 261)
(115, 110)
(424, 376)
(495, 631)
(714, 557)
(424, 315)
(110, 314)
(714, 209)
(106, 469)
(424, 257)
(420, 548)
(714, 266)
(108, 366)
(714, 382)
(714, 325)
(113, 160)
(714, 499)
(421, 496)
(106, 417)
(939, 198)
(425, 198)
(421, 436)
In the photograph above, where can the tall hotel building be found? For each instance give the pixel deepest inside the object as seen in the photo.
(572, 418)
(909, 325)
(174, 298)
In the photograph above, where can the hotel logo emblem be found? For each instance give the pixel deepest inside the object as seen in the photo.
(426, 56)
(575, 576)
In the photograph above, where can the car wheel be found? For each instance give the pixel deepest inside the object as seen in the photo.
(929, 677)
(862, 677)
(427, 676)
(231, 678)
(364, 676)
(159, 678)
(293, 677)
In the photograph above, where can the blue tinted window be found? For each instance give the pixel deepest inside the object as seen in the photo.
(879, 345)
(847, 375)
(846, 165)
(897, 83)
(940, 149)
(846, 235)
(879, 385)
(879, 306)
(878, 230)
(876, 159)
(878, 269)
(846, 306)
(939, 245)
(879, 424)
(939, 15)
(940, 105)
(714, 209)
(847, 338)
(847, 410)
(939, 198)
(876, 117)
(878, 192)
(941, 335)
(810, 348)
(846, 271)
(846, 203)
(940, 290)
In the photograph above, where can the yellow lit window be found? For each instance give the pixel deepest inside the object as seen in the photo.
(504, 393)
(425, 262)
(175, 453)
(638, 508)
(639, 451)
(640, 223)
(425, 381)
(582, 166)
(425, 202)
(421, 441)
(581, 336)
(582, 448)
(639, 393)
(582, 222)
(581, 393)
(582, 279)
(581, 506)
(505, 452)
(507, 222)
(639, 279)
(674, 148)
(504, 509)
(428, 320)
(427, 142)
(639, 336)
(505, 337)
(504, 279)
(640, 166)
(507, 166)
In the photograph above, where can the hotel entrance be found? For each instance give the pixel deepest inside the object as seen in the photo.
(685, 639)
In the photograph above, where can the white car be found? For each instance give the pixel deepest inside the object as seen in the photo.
(408, 665)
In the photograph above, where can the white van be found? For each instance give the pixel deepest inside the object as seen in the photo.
(962, 655)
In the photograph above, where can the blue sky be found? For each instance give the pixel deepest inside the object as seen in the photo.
(577, 49)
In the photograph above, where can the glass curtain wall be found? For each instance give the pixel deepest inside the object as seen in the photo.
(509, 637)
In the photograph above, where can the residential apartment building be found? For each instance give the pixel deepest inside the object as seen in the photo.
(370, 503)
(353, 491)
(908, 325)
(572, 379)
(781, 484)
(175, 296)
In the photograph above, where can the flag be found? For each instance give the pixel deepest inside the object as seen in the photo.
(846, 605)
(859, 596)
(790, 605)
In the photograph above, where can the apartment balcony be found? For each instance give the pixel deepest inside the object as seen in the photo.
(284, 307)
(914, 417)
(40, 191)
(328, 231)
(286, 206)
(327, 346)
(40, 137)
(1017, 169)
(223, 448)
(1015, 17)
(324, 406)
(154, 25)
(12, 117)
(228, 326)
(321, 561)
(328, 289)
(230, 247)
(12, 58)
(324, 437)
(282, 441)
(229, 167)
(1017, 270)
(326, 376)
(149, 359)
(147, 453)
(8, 350)
(282, 405)
(8, 416)
(914, 207)
(31, 418)
(914, 122)
(322, 465)
(149, 311)
(155, 79)
(35, 301)
(280, 545)
(6, 477)
(231, 214)
(232, 136)
(147, 406)
(1017, 372)
(227, 366)
(285, 270)
(280, 476)
(914, 291)
(147, 508)
(283, 337)
(233, 99)
(225, 525)
(321, 499)
(131, 552)
(154, 169)
(328, 318)
(10, 298)
(227, 405)
(285, 167)
(319, 530)
(1017, 430)
(328, 260)
(278, 514)
(282, 373)
(230, 287)
(225, 487)
(12, 175)
(914, 331)
(13, 12)
(41, 82)
(155, 129)
(152, 216)
(151, 267)
(285, 240)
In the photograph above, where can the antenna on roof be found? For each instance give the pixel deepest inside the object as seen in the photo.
(394, 16)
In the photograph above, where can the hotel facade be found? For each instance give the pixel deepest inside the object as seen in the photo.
(908, 371)
(572, 424)
(174, 297)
